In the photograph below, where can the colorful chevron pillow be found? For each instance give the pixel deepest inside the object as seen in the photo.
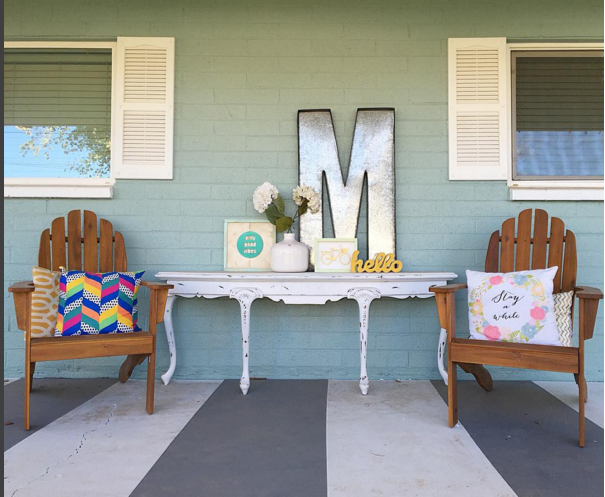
(92, 304)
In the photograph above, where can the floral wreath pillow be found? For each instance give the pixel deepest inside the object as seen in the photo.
(513, 307)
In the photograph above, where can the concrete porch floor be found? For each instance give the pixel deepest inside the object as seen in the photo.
(300, 438)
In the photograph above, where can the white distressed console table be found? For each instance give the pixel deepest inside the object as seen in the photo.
(295, 288)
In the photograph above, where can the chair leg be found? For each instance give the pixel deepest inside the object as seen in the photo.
(585, 387)
(31, 376)
(581, 405)
(452, 394)
(28, 386)
(150, 382)
(131, 362)
(484, 379)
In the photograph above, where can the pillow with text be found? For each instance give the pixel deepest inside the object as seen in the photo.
(513, 307)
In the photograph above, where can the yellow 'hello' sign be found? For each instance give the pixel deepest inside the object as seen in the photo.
(382, 263)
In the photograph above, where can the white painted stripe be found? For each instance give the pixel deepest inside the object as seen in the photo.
(395, 441)
(567, 392)
(104, 447)
(8, 381)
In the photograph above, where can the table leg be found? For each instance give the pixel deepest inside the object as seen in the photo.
(168, 324)
(245, 297)
(441, 355)
(364, 297)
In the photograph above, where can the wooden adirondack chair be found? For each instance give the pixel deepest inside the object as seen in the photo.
(509, 252)
(104, 252)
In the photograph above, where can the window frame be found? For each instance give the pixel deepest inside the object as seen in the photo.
(540, 188)
(516, 54)
(69, 187)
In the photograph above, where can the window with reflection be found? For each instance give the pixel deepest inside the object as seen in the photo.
(57, 113)
(557, 116)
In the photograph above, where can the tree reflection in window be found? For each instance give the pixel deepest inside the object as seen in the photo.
(89, 149)
(57, 113)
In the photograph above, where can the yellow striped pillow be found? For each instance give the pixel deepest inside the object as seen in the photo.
(45, 302)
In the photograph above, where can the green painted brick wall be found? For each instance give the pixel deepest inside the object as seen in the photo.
(243, 69)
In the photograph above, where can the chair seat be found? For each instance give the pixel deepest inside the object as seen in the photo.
(517, 355)
(87, 346)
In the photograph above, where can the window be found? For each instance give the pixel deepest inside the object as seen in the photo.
(531, 114)
(557, 115)
(79, 115)
(57, 113)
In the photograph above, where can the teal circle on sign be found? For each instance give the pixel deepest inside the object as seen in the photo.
(250, 244)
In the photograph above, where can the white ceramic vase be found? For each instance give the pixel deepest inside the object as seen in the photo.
(289, 256)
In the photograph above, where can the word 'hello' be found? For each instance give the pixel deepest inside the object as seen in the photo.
(382, 263)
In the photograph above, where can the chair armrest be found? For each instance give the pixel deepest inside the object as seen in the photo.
(444, 297)
(588, 292)
(453, 287)
(22, 287)
(588, 305)
(159, 295)
(22, 298)
(156, 285)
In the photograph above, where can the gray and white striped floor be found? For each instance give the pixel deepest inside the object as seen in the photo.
(300, 438)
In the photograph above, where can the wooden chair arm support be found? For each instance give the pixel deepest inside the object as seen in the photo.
(22, 287)
(158, 294)
(156, 285)
(446, 307)
(452, 288)
(22, 298)
(589, 304)
(588, 292)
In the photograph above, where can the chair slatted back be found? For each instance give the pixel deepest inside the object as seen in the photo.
(85, 245)
(517, 248)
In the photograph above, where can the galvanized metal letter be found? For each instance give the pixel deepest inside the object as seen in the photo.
(372, 156)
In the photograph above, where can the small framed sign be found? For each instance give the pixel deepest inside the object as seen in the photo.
(248, 244)
(334, 255)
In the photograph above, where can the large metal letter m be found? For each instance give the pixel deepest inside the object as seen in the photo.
(372, 157)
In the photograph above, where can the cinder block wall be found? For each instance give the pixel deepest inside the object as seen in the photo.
(243, 69)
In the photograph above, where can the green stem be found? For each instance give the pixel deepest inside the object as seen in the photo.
(294, 218)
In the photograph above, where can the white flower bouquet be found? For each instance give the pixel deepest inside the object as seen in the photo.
(267, 200)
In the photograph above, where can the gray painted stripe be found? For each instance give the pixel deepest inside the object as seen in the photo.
(104, 447)
(395, 442)
(271, 442)
(531, 438)
(567, 391)
(50, 399)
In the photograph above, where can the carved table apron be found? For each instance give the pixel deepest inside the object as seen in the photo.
(295, 288)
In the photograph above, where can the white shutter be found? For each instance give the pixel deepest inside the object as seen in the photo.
(144, 122)
(477, 109)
